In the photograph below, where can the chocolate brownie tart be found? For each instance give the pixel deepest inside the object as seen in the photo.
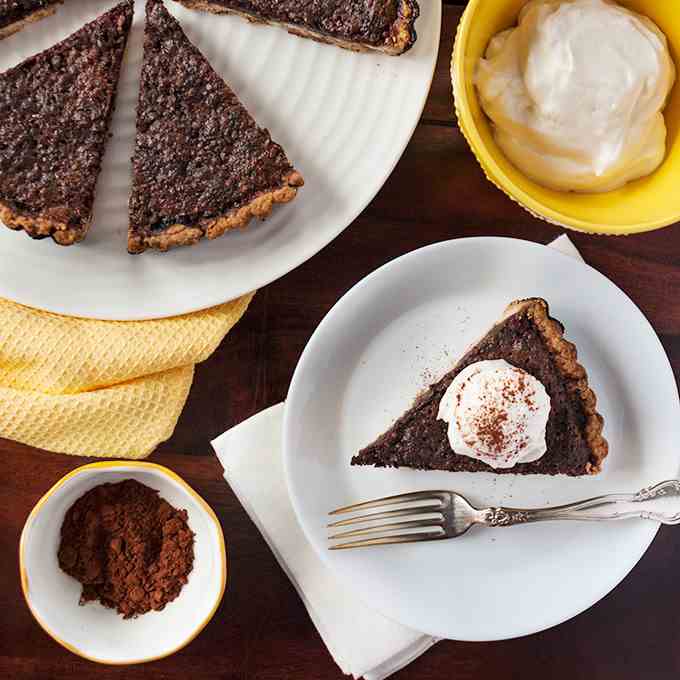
(15, 14)
(527, 338)
(201, 165)
(55, 110)
(382, 25)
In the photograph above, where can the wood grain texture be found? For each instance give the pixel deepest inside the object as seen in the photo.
(261, 630)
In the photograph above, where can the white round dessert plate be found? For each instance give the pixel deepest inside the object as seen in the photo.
(343, 118)
(92, 630)
(399, 330)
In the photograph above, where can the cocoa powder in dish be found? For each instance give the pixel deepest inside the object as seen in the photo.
(130, 549)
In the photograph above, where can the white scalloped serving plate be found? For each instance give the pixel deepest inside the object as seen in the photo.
(343, 118)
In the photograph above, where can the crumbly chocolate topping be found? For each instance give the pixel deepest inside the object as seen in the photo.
(368, 21)
(12, 11)
(419, 440)
(55, 109)
(198, 154)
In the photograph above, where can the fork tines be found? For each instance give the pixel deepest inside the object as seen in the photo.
(429, 527)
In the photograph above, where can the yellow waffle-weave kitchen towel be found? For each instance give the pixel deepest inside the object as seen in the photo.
(101, 388)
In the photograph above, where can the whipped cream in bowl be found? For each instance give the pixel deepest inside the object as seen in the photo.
(497, 413)
(576, 93)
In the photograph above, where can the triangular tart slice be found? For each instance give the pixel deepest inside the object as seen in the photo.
(202, 166)
(528, 338)
(16, 14)
(55, 110)
(361, 25)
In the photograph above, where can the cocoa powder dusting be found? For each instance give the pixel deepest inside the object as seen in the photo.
(490, 429)
(491, 421)
(129, 548)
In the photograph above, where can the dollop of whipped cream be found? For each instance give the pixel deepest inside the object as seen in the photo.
(497, 413)
(576, 92)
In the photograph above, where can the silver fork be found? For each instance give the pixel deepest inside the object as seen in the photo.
(446, 514)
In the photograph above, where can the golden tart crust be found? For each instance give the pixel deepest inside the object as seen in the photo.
(565, 356)
(239, 218)
(39, 14)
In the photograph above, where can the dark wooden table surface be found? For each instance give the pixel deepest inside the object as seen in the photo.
(261, 631)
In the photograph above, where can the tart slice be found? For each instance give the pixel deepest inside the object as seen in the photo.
(16, 14)
(517, 402)
(361, 25)
(201, 165)
(55, 110)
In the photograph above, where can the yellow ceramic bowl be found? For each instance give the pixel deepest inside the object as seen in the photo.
(648, 203)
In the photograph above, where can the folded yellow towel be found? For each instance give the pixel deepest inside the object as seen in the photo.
(101, 388)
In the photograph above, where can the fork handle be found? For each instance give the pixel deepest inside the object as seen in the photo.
(610, 507)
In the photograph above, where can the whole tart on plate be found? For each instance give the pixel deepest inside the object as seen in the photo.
(201, 166)
(55, 110)
(361, 25)
(16, 14)
(528, 338)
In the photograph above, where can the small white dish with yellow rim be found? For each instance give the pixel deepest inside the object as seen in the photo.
(92, 630)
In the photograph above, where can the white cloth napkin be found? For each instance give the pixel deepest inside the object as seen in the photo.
(362, 642)
(565, 246)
